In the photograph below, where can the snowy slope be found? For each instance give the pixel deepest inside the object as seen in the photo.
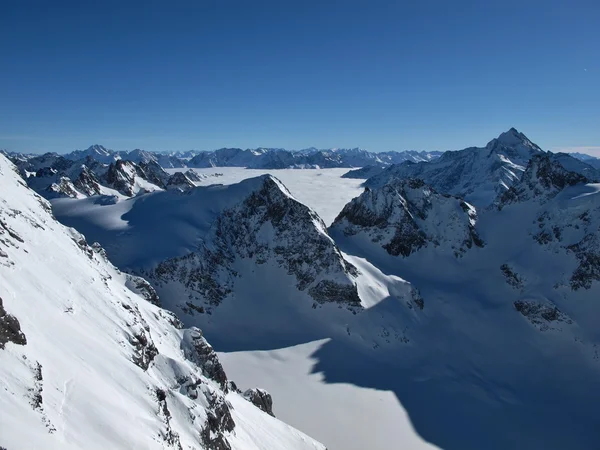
(87, 361)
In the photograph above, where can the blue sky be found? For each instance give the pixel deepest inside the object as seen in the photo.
(382, 75)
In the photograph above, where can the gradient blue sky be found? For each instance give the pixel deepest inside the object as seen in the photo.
(383, 75)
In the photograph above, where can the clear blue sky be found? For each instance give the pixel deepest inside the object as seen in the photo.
(394, 75)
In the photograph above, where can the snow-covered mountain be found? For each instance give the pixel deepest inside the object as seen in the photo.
(478, 175)
(88, 360)
(407, 215)
(131, 179)
(260, 158)
(97, 152)
(53, 176)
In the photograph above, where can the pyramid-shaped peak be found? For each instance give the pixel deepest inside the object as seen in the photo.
(512, 137)
(515, 143)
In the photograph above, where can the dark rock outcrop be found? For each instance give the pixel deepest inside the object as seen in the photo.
(10, 329)
(542, 180)
(142, 287)
(199, 351)
(407, 215)
(541, 315)
(261, 399)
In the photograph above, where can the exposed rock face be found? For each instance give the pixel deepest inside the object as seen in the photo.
(407, 215)
(218, 423)
(63, 188)
(10, 329)
(180, 181)
(87, 182)
(587, 252)
(121, 176)
(568, 217)
(154, 173)
(198, 350)
(142, 287)
(261, 399)
(269, 225)
(512, 278)
(542, 180)
(192, 175)
(541, 315)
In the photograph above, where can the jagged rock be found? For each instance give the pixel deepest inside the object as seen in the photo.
(10, 329)
(541, 315)
(512, 278)
(198, 350)
(542, 179)
(261, 399)
(233, 387)
(180, 181)
(142, 287)
(193, 175)
(587, 252)
(123, 176)
(64, 187)
(218, 422)
(153, 172)
(169, 435)
(87, 182)
(145, 350)
(407, 215)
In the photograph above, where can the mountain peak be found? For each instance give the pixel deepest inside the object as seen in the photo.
(98, 149)
(514, 145)
(513, 137)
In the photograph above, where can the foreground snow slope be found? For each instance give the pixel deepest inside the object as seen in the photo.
(87, 362)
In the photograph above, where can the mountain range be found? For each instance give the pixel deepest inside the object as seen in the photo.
(467, 285)
(260, 158)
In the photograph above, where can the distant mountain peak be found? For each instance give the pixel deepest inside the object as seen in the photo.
(513, 138)
(99, 149)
